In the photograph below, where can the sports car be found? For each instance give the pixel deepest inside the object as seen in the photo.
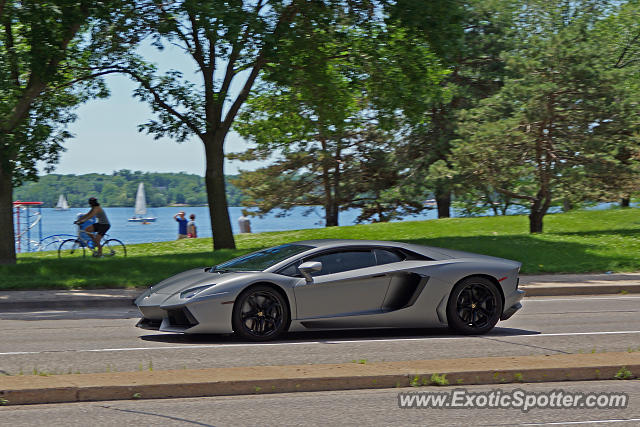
(336, 284)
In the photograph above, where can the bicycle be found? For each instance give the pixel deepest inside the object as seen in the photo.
(77, 247)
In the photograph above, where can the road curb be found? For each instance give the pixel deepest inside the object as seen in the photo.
(66, 304)
(19, 390)
(578, 289)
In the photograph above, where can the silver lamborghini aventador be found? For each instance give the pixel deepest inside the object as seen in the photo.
(336, 284)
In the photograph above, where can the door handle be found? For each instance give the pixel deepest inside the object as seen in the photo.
(378, 275)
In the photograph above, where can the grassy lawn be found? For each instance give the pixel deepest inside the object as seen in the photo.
(575, 242)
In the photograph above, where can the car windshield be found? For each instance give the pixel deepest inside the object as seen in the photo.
(261, 260)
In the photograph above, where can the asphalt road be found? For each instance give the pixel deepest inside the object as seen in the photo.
(344, 408)
(107, 341)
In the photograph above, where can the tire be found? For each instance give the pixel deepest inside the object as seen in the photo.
(114, 247)
(71, 248)
(474, 306)
(260, 314)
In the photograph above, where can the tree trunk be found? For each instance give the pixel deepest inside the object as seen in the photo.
(332, 217)
(217, 193)
(335, 210)
(535, 221)
(330, 203)
(7, 236)
(443, 200)
(539, 209)
(625, 202)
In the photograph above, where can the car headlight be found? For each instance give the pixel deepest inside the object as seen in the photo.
(189, 293)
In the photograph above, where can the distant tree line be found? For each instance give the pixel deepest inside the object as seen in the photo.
(119, 189)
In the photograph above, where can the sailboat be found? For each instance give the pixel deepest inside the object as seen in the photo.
(140, 209)
(62, 204)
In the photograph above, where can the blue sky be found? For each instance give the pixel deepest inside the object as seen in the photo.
(107, 139)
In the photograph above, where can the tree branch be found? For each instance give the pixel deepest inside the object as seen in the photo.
(13, 61)
(288, 14)
(624, 52)
(198, 53)
(515, 195)
(163, 104)
(36, 84)
(231, 71)
(85, 78)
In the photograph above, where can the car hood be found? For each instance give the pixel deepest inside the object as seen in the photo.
(190, 279)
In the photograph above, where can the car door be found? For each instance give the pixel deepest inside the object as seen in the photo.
(348, 284)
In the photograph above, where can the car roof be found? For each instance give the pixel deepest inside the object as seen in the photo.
(431, 252)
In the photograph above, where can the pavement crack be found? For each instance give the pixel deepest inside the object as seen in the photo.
(132, 411)
(526, 345)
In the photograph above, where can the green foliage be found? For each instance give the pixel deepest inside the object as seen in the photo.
(575, 242)
(470, 45)
(415, 381)
(328, 114)
(439, 379)
(119, 189)
(559, 125)
(624, 374)
(52, 55)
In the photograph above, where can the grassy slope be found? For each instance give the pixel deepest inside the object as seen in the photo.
(586, 241)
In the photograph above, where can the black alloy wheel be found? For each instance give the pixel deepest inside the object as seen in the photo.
(260, 314)
(474, 306)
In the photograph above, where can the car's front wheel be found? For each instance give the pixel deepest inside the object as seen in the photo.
(260, 314)
(474, 306)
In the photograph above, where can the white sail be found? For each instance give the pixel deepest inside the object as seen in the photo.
(62, 203)
(141, 201)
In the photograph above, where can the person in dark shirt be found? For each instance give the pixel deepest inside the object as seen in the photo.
(182, 225)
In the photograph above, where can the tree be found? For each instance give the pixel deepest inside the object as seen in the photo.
(329, 117)
(230, 45)
(620, 38)
(560, 123)
(469, 37)
(50, 56)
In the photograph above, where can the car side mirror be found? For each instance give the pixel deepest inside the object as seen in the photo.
(306, 268)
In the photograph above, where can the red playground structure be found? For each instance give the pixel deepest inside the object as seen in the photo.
(27, 220)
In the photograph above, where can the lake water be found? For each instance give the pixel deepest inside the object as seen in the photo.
(166, 228)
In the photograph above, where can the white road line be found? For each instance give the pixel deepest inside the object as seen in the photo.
(201, 346)
(483, 336)
(564, 423)
(549, 299)
(563, 334)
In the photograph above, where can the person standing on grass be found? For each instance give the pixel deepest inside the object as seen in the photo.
(182, 225)
(244, 223)
(100, 227)
(191, 227)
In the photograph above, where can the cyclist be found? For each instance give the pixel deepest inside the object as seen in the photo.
(82, 233)
(100, 227)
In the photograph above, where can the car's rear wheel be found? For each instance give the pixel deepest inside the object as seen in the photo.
(474, 306)
(260, 314)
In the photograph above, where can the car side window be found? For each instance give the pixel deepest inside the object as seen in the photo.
(291, 271)
(387, 256)
(338, 262)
